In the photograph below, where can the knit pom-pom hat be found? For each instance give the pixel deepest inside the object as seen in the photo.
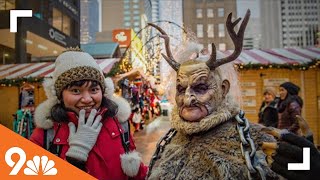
(73, 66)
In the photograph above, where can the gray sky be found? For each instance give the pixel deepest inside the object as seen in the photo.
(253, 5)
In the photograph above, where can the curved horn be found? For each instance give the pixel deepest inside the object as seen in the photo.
(237, 39)
(169, 58)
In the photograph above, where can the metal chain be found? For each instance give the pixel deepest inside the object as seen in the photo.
(160, 147)
(248, 148)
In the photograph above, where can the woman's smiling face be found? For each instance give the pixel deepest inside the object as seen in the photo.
(87, 96)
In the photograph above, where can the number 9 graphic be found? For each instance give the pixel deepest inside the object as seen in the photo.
(16, 165)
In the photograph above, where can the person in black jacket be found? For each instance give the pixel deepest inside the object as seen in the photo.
(268, 114)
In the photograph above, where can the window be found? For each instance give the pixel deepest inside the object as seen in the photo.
(222, 46)
(199, 13)
(221, 30)
(61, 21)
(127, 18)
(136, 12)
(221, 12)
(135, 6)
(126, 12)
(66, 26)
(136, 23)
(126, 6)
(136, 17)
(210, 31)
(136, 29)
(135, 1)
(127, 24)
(57, 19)
(210, 13)
(199, 30)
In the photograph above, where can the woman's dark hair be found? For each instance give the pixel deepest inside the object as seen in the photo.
(59, 111)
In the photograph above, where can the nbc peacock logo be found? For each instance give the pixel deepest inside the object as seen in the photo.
(47, 166)
(36, 166)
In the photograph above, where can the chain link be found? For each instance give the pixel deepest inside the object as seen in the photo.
(160, 147)
(247, 146)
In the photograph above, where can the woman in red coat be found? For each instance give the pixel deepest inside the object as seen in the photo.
(81, 120)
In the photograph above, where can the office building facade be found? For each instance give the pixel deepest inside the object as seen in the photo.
(53, 27)
(206, 18)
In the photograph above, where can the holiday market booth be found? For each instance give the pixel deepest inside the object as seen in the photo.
(21, 91)
(259, 69)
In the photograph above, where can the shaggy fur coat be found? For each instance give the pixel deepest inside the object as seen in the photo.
(208, 154)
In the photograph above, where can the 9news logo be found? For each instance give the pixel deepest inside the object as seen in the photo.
(33, 166)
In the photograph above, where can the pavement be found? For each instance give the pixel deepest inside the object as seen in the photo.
(146, 139)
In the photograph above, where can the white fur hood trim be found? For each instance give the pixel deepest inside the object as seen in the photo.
(130, 163)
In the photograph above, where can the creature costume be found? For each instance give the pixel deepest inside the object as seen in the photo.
(208, 126)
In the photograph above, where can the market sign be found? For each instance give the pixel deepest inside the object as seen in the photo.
(249, 103)
(274, 81)
(248, 92)
(122, 37)
(248, 84)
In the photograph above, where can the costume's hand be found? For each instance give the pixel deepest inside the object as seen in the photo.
(290, 150)
(304, 128)
(82, 140)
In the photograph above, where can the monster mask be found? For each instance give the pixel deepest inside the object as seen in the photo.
(201, 90)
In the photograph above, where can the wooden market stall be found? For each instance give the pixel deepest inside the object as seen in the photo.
(259, 69)
(15, 76)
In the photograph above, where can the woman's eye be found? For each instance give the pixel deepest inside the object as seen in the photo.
(75, 91)
(95, 89)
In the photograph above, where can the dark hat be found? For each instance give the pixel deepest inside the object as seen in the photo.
(291, 88)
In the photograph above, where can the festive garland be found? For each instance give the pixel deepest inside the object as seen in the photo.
(311, 65)
(117, 70)
(20, 81)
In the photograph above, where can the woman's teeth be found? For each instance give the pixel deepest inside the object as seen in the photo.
(86, 108)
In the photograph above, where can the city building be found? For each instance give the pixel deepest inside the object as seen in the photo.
(252, 34)
(126, 14)
(206, 18)
(89, 20)
(290, 23)
(118, 19)
(53, 27)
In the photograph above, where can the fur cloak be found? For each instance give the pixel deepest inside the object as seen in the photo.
(211, 154)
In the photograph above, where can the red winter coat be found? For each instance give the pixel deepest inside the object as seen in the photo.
(104, 159)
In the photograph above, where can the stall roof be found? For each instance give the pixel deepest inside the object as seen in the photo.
(103, 49)
(43, 69)
(275, 56)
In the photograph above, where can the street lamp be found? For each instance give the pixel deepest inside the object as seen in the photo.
(4, 58)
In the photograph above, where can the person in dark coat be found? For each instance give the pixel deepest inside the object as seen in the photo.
(268, 114)
(289, 107)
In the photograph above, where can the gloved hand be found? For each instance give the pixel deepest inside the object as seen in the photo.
(82, 141)
(290, 150)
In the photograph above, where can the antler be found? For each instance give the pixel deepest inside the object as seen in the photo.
(174, 64)
(237, 39)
